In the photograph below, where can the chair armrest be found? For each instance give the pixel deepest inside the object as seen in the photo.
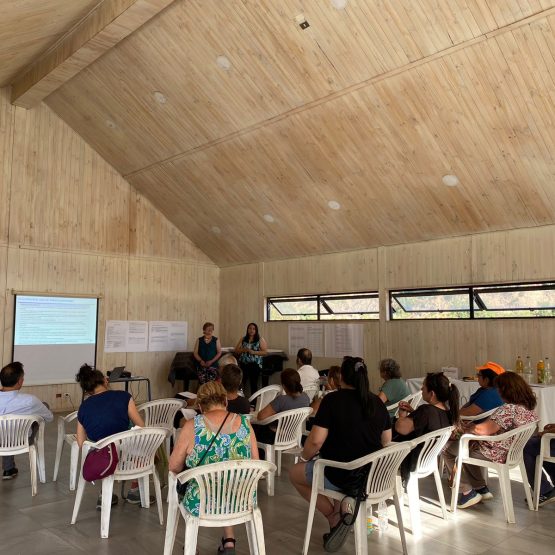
(546, 444)
(268, 420)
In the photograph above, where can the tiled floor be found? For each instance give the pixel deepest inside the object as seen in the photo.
(41, 525)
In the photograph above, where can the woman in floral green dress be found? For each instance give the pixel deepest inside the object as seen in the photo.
(236, 440)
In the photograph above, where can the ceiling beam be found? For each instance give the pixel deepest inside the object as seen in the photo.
(104, 27)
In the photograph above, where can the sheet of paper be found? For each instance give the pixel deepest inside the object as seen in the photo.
(344, 340)
(167, 336)
(137, 336)
(123, 336)
(309, 336)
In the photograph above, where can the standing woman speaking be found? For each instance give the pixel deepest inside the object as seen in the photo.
(251, 348)
(207, 351)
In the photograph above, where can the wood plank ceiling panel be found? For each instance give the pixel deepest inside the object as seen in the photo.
(484, 113)
(275, 67)
(28, 27)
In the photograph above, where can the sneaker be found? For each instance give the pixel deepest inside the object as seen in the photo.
(547, 498)
(485, 493)
(471, 498)
(99, 501)
(10, 474)
(134, 497)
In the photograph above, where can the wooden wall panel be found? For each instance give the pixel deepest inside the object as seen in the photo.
(170, 291)
(6, 150)
(67, 196)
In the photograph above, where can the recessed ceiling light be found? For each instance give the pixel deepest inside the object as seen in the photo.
(450, 180)
(110, 124)
(159, 97)
(223, 62)
(269, 218)
(334, 205)
(216, 230)
(339, 4)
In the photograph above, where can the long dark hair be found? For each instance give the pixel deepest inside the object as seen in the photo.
(89, 377)
(291, 381)
(446, 393)
(355, 374)
(514, 390)
(256, 337)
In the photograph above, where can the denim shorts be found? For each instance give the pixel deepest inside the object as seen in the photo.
(308, 472)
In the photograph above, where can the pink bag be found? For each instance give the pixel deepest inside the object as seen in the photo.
(100, 463)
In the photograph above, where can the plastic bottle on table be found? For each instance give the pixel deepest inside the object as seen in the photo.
(519, 366)
(540, 367)
(528, 369)
(547, 377)
(383, 521)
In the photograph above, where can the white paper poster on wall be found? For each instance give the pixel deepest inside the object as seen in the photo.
(309, 336)
(167, 336)
(124, 336)
(344, 340)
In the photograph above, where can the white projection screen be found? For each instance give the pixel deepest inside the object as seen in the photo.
(54, 336)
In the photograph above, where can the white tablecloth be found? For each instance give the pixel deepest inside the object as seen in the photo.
(544, 394)
(466, 389)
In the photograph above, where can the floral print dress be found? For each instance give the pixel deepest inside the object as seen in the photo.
(226, 447)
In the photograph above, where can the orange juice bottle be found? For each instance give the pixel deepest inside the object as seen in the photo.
(540, 367)
(519, 366)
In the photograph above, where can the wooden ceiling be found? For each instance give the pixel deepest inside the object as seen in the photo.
(369, 106)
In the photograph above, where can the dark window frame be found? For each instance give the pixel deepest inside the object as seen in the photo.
(320, 300)
(476, 304)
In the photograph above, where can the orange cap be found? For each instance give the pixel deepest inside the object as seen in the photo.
(493, 366)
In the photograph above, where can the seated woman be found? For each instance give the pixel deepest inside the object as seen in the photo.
(531, 451)
(333, 384)
(198, 444)
(394, 387)
(486, 397)
(518, 410)
(294, 398)
(207, 351)
(232, 377)
(251, 348)
(103, 413)
(440, 411)
(351, 423)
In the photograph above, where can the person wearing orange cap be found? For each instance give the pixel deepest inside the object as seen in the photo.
(486, 397)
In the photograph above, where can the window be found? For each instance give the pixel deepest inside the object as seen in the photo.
(525, 300)
(340, 306)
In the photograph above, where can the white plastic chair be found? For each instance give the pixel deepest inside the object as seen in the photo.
(264, 396)
(227, 497)
(381, 485)
(14, 440)
(432, 445)
(311, 391)
(71, 439)
(136, 450)
(413, 400)
(543, 456)
(161, 414)
(518, 437)
(481, 416)
(288, 436)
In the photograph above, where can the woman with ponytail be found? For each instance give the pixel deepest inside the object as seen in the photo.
(441, 410)
(351, 422)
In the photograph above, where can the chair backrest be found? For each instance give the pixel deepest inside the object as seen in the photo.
(518, 437)
(136, 448)
(14, 432)
(413, 400)
(161, 412)
(264, 396)
(289, 426)
(430, 446)
(311, 390)
(481, 416)
(385, 464)
(226, 489)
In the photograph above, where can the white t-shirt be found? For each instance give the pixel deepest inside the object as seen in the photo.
(309, 377)
(15, 402)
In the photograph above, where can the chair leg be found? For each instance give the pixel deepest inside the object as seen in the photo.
(258, 532)
(413, 495)
(251, 537)
(440, 493)
(505, 483)
(107, 490)
(456, 486)
(73, 465)
(158, 493)
(59, 450)
(270, 456)
(278, 456)
(40, 454)
(538, 481)
(33, 465)
(527, 489)
(171, 523)
(191, 535)
(78, 498)
(360, 529)
(310, 520)
(400, 523)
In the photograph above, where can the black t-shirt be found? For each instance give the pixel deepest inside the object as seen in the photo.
(350, 434)
(240, 405)
(426, 418)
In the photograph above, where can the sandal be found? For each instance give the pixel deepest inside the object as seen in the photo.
(227, 550)
(337, 535)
